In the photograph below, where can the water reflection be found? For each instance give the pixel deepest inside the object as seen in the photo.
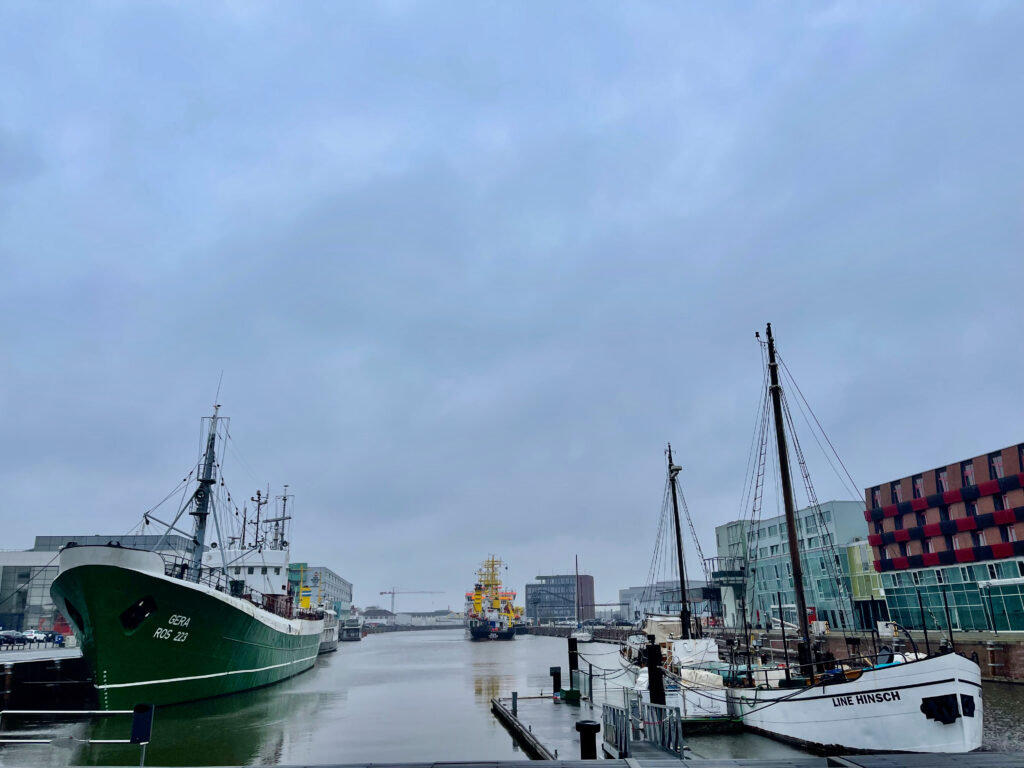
(405, 697)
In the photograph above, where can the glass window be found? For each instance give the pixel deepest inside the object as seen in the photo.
(277, 571)
(941, 480)
(917, 578)
(875, 497)
(773, 530)
(895, 493)
(967, 473)
(939, 578)
(251, 569)
(238, 570)
(995, 465)
(918, 486)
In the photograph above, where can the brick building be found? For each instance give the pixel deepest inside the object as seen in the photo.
(953, 535)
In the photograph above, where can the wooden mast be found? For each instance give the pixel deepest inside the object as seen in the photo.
(787, 496)
(684, 609)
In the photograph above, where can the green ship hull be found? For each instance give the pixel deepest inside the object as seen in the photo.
(153, 639)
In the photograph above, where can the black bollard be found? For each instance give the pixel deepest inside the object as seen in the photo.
(574, 657)
(556, 679)
(142, 728)
(587, 730)
(655, 684)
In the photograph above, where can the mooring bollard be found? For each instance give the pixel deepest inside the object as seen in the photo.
(655, 684)
(515, 703)
(142, 728)
(556, 679)
(587, 730)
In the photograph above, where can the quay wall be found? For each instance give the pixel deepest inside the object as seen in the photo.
(602, 634)
(377, 629)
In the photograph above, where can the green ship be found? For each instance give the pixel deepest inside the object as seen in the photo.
(159, 628)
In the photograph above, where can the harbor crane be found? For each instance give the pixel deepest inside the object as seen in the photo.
(395, 591)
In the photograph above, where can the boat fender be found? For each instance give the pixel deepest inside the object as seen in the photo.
(885, 655)
(942, 708)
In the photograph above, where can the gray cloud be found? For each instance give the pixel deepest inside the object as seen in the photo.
(467, 269)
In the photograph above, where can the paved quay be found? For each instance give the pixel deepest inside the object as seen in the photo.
(38, 654)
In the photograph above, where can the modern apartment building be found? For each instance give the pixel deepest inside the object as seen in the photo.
(553, 598)
(953, 536)
(753, 563)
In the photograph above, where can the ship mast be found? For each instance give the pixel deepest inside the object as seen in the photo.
(787, 496)
(201, 510)
(684, 609)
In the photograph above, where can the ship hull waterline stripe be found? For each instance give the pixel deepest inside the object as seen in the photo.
(203, 677)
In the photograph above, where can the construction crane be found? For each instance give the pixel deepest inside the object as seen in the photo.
(395, 591)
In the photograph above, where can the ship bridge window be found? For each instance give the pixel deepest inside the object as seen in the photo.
(137, 613)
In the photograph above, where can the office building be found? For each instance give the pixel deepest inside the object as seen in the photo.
(323, 585)
(554, 598)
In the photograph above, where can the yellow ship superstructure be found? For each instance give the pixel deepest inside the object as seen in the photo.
(490, 610)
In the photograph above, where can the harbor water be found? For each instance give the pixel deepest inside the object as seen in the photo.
(398, 697)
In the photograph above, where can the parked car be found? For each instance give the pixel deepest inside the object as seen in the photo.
(35, 636)
(12, 637)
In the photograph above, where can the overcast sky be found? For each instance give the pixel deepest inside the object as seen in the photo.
(466, 267)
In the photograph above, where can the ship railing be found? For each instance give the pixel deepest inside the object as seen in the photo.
(178, 567)
(615, 728)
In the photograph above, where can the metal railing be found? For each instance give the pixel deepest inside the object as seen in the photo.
(177, 567)
(615, 728)
(663, 725)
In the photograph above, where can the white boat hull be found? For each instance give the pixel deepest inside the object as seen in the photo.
(882, 711)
